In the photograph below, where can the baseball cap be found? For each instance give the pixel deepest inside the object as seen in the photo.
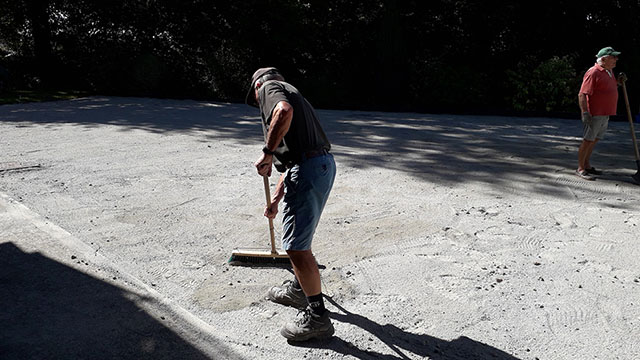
(250, 99)
(607, 51)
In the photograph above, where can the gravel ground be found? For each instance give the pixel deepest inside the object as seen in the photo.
(445, 237)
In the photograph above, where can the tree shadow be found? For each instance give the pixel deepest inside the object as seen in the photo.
(154, 115)
(524, 155)
(401, 342)
(51, 311)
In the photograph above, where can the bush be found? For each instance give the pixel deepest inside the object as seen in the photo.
(551, 85)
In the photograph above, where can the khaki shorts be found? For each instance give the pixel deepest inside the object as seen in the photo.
(595, 128)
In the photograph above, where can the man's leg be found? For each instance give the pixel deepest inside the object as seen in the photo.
(306, 270)
(587, 164)
(584, 153)
(592, 133)
(303, 208)
(315, 322)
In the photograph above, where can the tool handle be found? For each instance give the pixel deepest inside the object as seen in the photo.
(633, 132)
(267, 193)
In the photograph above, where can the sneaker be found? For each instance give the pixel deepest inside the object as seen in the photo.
(309, 326)
(288, 295)
(593, 171)
(585, 175)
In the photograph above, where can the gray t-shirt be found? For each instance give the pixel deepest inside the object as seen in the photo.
(305, 133)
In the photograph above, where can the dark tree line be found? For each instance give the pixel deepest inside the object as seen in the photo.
(440, 55)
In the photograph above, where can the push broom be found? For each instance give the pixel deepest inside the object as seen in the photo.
(635, 177)
(261, 256)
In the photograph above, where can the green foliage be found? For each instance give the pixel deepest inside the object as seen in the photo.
(369, 54)
(551, 85)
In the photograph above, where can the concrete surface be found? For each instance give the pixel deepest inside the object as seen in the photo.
(446, 237)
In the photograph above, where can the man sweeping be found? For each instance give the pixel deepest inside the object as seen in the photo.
(298, 147)
(598, 99)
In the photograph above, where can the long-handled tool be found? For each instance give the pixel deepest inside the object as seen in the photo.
(635, 177)
(259, 256)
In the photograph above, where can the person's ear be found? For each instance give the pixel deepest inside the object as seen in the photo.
(258, 84)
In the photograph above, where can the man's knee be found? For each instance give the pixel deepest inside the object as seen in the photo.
(301, 258)
(300, 254)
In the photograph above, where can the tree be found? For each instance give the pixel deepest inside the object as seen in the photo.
(441, 55)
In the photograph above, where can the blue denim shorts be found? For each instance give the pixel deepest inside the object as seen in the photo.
(307, 186)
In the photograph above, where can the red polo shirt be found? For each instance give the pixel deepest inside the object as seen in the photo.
(601, 88)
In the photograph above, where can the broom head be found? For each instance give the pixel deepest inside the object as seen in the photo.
(636, 177)
(258, 256)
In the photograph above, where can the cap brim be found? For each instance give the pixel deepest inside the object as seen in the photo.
(614, 53)
(250, 99)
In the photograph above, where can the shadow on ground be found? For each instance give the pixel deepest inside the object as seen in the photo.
(404, 344)
(51, 311)
(517, 153)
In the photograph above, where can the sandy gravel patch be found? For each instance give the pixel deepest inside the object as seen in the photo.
(445, 237)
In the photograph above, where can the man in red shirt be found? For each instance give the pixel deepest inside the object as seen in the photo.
(598, 99)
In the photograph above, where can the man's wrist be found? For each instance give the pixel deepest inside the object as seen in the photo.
(267, 151)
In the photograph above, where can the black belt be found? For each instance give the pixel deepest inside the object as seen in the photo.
(308, 155)
(315, 153)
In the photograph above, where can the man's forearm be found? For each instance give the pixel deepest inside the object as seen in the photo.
(279, 191)
(280, 123)
(582, 101)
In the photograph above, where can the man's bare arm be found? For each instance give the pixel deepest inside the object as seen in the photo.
(582, 101)
(272, 209)
(280, 123)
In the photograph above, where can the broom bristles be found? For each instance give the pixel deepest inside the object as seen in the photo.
(250, 256)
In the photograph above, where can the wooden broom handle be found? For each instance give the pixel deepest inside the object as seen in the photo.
(267, 194)
(633, 132)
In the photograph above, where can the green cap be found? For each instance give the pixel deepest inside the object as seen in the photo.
(607, 51)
